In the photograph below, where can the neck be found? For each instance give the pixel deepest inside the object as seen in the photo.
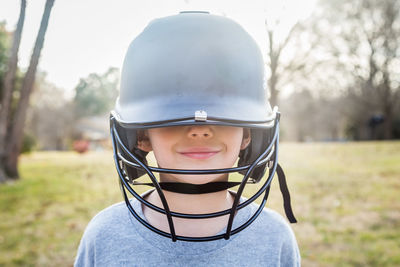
(190, 204)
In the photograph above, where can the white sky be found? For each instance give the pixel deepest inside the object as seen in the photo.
(86, 36)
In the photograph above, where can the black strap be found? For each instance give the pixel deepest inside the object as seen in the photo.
(285, 194)
(185, 188)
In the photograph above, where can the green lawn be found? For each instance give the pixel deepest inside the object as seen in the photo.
(345, 196)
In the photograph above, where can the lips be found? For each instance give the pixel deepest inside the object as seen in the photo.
(200, 153)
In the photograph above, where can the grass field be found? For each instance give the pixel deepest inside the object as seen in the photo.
(346, 198)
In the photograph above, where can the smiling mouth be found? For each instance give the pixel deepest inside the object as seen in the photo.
(199, 154)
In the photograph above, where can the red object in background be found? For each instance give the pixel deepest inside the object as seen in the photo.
(81, 146)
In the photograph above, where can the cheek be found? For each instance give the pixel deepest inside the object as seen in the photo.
(234, 137)
(159, 148)
(162, 144)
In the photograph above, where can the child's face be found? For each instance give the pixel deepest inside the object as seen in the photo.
(195, 147)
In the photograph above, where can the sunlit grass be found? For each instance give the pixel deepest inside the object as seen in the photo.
(348, 203)
(346, 198)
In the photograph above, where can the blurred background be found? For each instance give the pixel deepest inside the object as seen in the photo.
(332, 67)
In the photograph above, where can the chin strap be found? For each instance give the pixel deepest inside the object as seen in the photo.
(185, 188)
(212, 187)
(285, 193)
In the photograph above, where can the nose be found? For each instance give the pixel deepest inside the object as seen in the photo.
(203, 131)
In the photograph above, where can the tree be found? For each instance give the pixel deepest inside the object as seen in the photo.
(47, 120)
(96, 94)
(5, 38)
(275, 49)
(6, 96)
(12, 139)
(363, 39)
(289, 53)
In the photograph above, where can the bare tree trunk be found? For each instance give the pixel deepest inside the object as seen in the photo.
(273, 90)
(388, 123)
(13, 147)
(9, 80)
(274, 52)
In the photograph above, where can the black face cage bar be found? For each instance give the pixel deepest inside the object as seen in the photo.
(269, 156)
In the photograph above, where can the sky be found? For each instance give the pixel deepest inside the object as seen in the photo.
(89, 36)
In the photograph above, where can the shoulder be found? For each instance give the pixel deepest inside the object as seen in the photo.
(104, 222)
(275, 226)
(276, 222)
(107, 220)
(271, 235)
(106, 229)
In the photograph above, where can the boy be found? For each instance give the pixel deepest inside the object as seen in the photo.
(192, 91)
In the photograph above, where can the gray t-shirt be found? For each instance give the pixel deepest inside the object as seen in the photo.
(115, 238)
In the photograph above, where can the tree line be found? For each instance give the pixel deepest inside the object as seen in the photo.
(335, 76)
(344, 71)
